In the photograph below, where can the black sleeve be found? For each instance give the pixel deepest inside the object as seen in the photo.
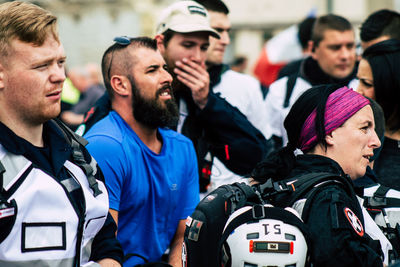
(337, 238)
(233, 139)
(96, 113)
(105, 244)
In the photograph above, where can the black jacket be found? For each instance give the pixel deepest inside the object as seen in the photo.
(337, 239)
(222, 130)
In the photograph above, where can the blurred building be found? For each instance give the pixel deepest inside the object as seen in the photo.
(87, 27)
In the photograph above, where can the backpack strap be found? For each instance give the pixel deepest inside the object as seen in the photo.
(304, 184)
(69, 134)
(299, 186)
(76, 141)
(2, 171)
(379, 200)
(258, 212)
(291, 82)
(381, 191)
(237, 198)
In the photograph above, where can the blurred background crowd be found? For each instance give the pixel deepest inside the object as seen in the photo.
(87, 27)
(265, 35)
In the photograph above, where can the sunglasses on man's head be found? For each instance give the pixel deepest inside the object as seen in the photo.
(121, 40)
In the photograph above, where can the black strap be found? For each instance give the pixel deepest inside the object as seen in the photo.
(381, 191)
(304, 183)
(69, 133)
(76, 141)
(291, 82)
(300, 185)
(7, 194)
(379, 200)
(87, 169)
(248, 190)
(2, 171)
(258, 212)
(237, 198)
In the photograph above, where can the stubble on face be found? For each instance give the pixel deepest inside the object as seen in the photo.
(34, 81)
(191, 46)
(336, 54)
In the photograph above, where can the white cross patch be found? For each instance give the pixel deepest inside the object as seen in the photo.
(354, 221)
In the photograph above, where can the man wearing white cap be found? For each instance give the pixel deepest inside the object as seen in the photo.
(215, 127)
(240, 90)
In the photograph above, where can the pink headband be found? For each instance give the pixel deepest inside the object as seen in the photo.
(340, 106)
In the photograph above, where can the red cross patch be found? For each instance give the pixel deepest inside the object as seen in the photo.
(354, 221)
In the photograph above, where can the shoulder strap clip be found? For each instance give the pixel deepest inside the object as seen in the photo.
(88, 170)
(258, 212)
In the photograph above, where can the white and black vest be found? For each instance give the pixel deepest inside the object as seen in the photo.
(45, 232)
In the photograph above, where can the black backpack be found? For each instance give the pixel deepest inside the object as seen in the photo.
(204, 228)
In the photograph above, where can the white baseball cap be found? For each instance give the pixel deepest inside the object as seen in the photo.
(185, 17)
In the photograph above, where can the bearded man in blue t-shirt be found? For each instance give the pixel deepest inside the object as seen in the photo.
(150, 171)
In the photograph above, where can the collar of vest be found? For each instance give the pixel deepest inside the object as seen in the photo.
(60, 150)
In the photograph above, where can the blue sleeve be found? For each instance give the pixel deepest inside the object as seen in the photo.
(110, 157)
(190, 196)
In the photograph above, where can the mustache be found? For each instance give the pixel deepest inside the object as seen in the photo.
(165, 87)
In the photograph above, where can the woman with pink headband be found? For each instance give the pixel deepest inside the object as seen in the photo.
(334, 128)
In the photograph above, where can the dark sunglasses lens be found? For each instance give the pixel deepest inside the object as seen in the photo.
(122, 40)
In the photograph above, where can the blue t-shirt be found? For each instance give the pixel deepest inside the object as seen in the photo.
(151, 192)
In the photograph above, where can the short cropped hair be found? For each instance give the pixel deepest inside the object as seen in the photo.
(168, 34)
(117, 59)
(329, 22)
(26, 22)
(380, 23)
(214, 5)
(305, 30)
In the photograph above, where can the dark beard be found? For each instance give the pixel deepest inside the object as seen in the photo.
(151, 113)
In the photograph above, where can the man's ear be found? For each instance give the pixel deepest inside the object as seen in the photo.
(311, 48)
(120, 85)
(160, 43)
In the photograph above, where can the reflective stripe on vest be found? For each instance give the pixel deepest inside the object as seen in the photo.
(39, 263)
